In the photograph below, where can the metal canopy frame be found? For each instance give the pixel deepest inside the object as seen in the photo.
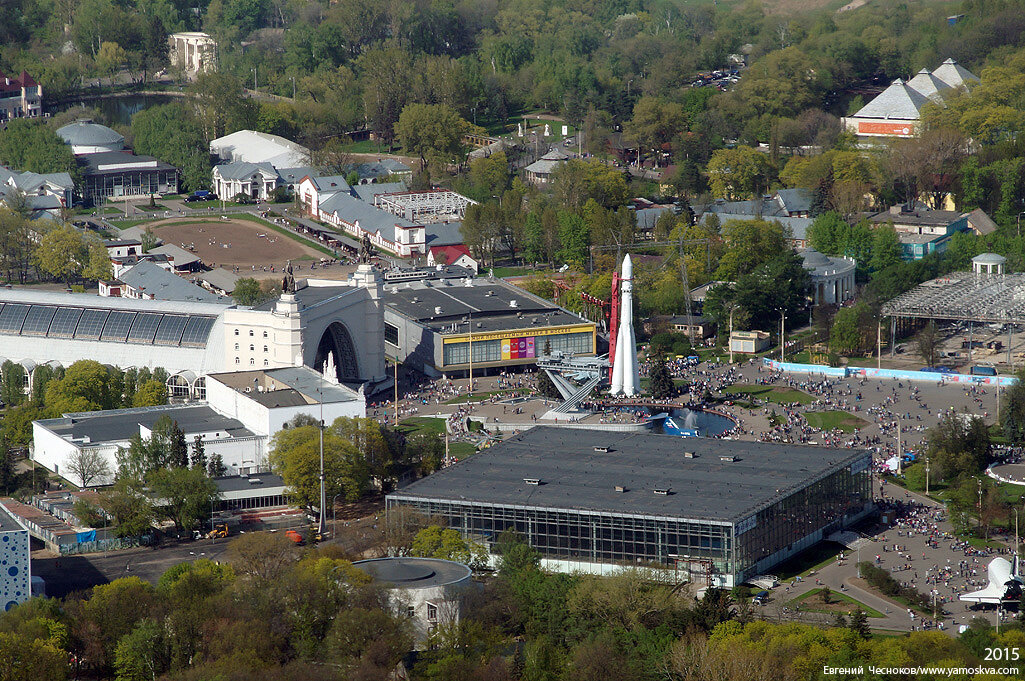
(964, 296)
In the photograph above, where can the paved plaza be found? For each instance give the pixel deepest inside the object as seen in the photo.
(920, 549)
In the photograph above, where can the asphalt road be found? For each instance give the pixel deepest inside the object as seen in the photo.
(67, 574)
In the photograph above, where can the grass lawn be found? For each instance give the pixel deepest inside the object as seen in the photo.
(814, 558)
(503, 272)
(420, 423)
(461, 450)
(364, 147)
(477, 397)
(839, 602)
(771, 393)
(125, 224)
(828, 420)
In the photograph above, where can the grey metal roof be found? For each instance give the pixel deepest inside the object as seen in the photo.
(330, 183)
(989, 259)
(409, 572)
(813, 258)
(898, 102)
(574, 476)
(92, 163)
(219, 278)
(543, 166)
(367, 192)
(241, 170)
(444, 233)
(490, 305)
(257, 482)
(118, 425)
(796, 200)
(87, 133)
(155, 281)
(981, 222)
(370, 218)
(29, 296)
(179, 255)
(928, 84)
(954, 75)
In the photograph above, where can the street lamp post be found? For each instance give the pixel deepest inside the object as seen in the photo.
(927, 474)
(322, 525)
(900, 454)
(293, 87)
(729, 339)
(782, 332)
(254, 79)
(1019, 221)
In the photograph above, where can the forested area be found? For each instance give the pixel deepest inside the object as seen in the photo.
(275, 612)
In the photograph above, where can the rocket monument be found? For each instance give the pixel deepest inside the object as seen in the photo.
(625, 370)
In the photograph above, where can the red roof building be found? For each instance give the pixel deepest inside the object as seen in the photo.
(452, 255)
(20, 97)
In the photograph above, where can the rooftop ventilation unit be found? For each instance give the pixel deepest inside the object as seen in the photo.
(662, 491)
(514, 303)
(532, 481)
(727, 459)
(437, 310)
(602, 450)
(689, 455)
(255, 481)
(416, 299)
(620, 489)
(480, 325)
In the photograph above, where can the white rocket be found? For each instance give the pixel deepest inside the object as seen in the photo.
(626, 376)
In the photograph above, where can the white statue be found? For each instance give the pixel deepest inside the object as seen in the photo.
(548, 130)
(330, 372)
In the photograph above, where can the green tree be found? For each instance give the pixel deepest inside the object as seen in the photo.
(139, 654)
(852, 331)
(432, 131)
(12, 383)
(198, 457)
(446, 543)
(655, 122)
(959, 445)
(740, 173)
(110, 58)
(128, 506)
(425, 450)
(859, 625)
(62, 254)
(172, 133)
(886, 248)
(86, 386)
(295, 455)
(749, 243)
(29, 144)
(185, 495)
(150, 394)
(662, 386)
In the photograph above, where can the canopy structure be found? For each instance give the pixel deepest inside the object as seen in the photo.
(964, 296)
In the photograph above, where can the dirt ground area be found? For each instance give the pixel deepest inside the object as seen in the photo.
(237, 243)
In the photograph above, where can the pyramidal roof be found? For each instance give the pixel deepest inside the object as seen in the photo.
(954, 75)
(899, 101)
(928, 84)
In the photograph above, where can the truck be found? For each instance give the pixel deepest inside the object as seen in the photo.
(199, 195)
(982, 370)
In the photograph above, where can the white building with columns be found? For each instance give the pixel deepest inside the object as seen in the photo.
(193, 52)
(832, 278)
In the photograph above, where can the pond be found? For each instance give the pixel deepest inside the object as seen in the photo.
(705, 423)
(118, 110)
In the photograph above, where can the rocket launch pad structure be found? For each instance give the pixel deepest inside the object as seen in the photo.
(626, 377)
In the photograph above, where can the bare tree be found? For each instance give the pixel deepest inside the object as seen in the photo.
(926, 163)
(927, 343)
(87, 465)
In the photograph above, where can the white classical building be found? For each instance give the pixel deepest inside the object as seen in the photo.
(190, 339)
(832, 279)
(193, 52)
(242, 412)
